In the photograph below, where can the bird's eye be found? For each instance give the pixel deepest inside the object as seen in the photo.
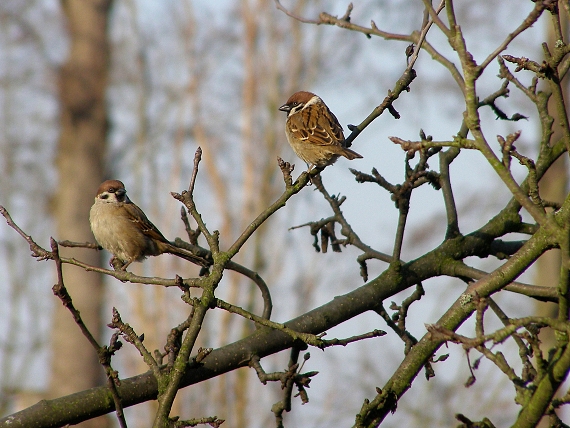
(112, 190)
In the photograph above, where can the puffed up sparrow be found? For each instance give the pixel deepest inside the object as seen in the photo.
(124, 230)
(313, 130)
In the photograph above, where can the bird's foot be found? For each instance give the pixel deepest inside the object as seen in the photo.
(118, 264)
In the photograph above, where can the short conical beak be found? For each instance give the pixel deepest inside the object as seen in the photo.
(285, 107)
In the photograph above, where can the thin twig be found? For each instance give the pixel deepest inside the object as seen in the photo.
(231, 265)
(212, 421)
(352, 237)
(433, 14)
(174, 341)
(356, 338)
(90, 245)
(125, 276)
(445, 160)
(528, 22)
(460, 269)
(104, 353)
(258, 280)
(309, 339)
(288, 379)
(137, 341)
(500, 335)
(290, 190)
(408, 339)
(192, 234)
(37, 251)
(423, 34)
(197, 159)
(168, 394)
(524, 351)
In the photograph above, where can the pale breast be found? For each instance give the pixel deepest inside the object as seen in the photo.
(117, 234)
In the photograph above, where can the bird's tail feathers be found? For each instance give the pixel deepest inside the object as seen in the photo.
(350, 154)
(187, 255)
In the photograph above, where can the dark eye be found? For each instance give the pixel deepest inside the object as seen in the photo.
(112, 190)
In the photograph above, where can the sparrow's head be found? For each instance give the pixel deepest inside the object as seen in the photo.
(112, 191)
(298, 101)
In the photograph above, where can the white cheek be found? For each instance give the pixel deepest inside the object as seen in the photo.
(295, 110)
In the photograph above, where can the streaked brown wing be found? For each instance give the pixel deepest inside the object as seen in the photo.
(332, 126)
(297, 127)
(136, 215)
(312, 125)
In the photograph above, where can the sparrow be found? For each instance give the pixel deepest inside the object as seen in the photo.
(124, 230)
(313, 131)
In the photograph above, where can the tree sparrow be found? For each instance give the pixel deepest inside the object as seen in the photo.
(313, 131)
(123, 229)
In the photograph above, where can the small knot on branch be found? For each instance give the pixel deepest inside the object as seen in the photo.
(346, 16)
(286, 170)
(410, 147)
(409, 52)
(116, 320)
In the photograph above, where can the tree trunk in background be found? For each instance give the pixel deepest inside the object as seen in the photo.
(81, 149)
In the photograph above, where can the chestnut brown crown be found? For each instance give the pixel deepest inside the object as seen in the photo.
(297, 99)
(112, 186)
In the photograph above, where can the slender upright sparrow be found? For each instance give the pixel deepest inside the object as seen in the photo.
(313, 131)
(124, 230)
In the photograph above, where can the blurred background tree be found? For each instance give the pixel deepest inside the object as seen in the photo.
(82, 85)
